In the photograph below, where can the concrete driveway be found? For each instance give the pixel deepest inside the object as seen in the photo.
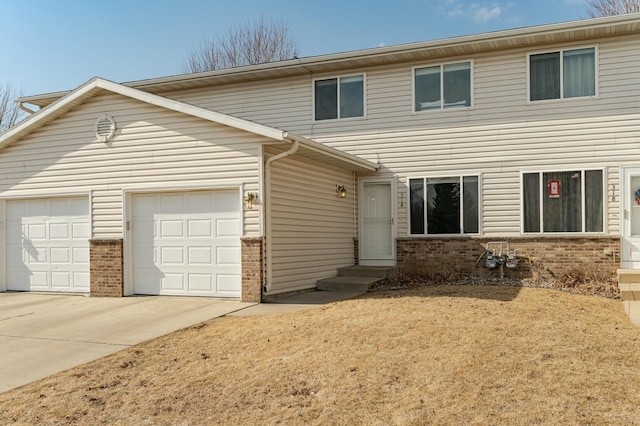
(42, 334)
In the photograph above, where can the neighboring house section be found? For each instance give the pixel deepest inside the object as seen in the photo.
(529, 136)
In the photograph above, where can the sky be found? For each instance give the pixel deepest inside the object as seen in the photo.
(48, 46)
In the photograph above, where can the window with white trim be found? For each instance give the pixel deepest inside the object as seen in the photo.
(565, 201)
(562, 74)
(444, 205)
(442, 86)
(341, 97)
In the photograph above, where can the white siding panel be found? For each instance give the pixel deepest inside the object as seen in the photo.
(500, 137)
(153, 148)
(312, 229)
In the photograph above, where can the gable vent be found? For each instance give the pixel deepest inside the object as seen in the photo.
(105, 128)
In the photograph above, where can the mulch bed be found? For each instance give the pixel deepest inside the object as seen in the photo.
(608, 288)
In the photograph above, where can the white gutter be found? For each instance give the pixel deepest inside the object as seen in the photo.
(267, 211)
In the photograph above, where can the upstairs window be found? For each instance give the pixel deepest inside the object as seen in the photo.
(444, 205)
(565, 201)
(562, 74)
(442, 87)
(341, 97)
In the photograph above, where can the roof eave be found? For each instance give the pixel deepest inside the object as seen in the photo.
(497, 40)
(348, 161)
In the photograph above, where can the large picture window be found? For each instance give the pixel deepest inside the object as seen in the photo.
(567, 201)
(562, 74)
(341, 97)
(444, 205)
(442, 86)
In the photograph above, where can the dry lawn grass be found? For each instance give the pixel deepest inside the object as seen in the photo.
(430, 355)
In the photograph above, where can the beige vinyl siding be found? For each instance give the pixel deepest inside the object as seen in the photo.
(499, 137)
(153, 149)
(312, 229)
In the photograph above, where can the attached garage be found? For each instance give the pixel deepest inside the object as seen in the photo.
(187, 243)
(47, 241)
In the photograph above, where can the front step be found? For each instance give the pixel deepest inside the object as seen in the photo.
(355, 278)
(629, 284)
(367, 271)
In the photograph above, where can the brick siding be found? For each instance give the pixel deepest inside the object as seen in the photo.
(106, 268)
(552, 256)
(252, 271)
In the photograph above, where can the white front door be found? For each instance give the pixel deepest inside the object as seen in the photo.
(377, 226)
(631, 217)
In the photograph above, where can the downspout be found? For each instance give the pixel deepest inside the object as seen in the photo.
(267, 201)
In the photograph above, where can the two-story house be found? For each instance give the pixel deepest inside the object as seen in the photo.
(261, 180)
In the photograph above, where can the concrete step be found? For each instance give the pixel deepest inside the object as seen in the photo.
(629, 291)
(367, 271)
(347, 283)
(629, 284)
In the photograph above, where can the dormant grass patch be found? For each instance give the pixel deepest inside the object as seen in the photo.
(428, 355)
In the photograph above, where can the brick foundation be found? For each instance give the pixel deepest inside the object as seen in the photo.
(252, 271)
(550, 256)
(106, 268)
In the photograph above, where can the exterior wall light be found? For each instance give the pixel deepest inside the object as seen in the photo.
(342, 191)
(249, 199)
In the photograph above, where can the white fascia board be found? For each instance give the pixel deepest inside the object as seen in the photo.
(227, 120)
(360, 163)
(95, 85)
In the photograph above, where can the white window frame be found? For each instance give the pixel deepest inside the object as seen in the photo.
(561, 51)
(442, 106)
(338, 78)
(460, 176)
(542, 187)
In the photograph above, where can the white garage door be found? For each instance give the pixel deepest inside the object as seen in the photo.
(48, 244)
(187, 244)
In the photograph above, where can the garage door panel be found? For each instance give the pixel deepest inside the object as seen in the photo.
(80, 230)
(81, 280)
(199, 228)
(173, 282)
(172, 203)
(228, 255)
(199, 203)
(36, 255)
(60, 255)
(172, 255)
(226, 202)
(171, 228)
(37, 231)
(80, 256)
(59, 231)
(60, 280)
(200, 283)
(190, 239)
(226, 284)
(48, 244)
(200, 255)
(228, 228)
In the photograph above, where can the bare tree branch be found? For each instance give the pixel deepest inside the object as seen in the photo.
(10, 114)
(598, 8)
(255, 42)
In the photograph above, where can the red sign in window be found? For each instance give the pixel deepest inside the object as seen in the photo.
(554, 188)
